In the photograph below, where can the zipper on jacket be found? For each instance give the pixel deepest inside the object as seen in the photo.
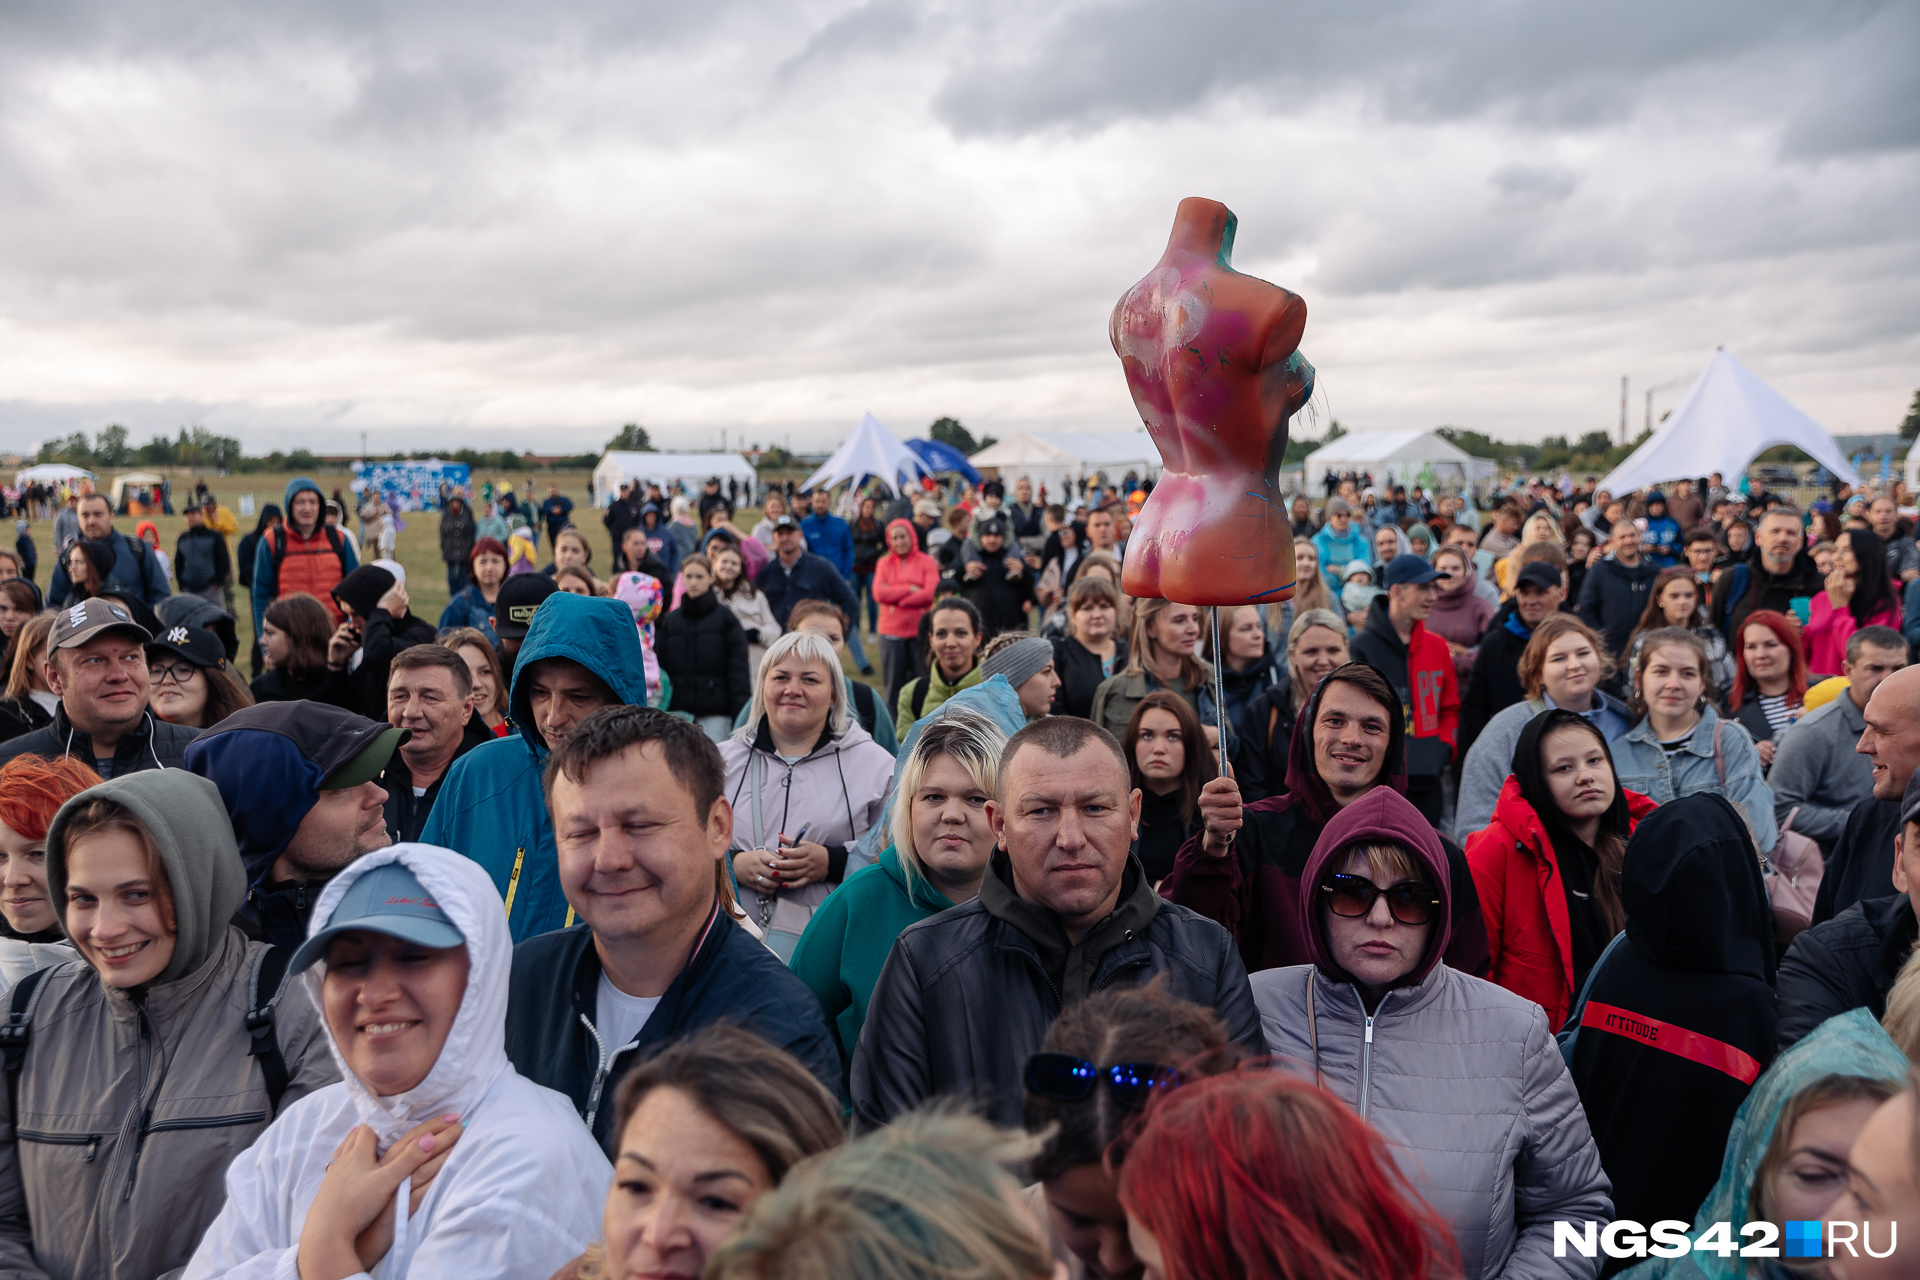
(205, 1122)
(91, 1140)
(1366, 1066)
(146, 1107)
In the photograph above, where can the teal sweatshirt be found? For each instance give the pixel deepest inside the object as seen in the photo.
(847, 941)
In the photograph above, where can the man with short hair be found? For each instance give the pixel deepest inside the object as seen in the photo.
(429, 688)
(1862, 859)
(1417, 663)
(201, 564)
(1776, 572)
(1852, 960)
(642, 827)
(1494, 683)
(299, 782)
(1501, 537)
(794, 574)
(1702, 549)
(711, 499)
(557, 513)
(134, 564)
(304, 554)
(1903, 557)
(1024, 512)
(1614, 594)
(97, 666)
(1686, 507)
(66, 525)
(581, 654)
(1102, 533)
(1065, 911)
(1816, 770)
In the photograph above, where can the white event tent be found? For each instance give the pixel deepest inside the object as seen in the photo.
(1399, 457)
(52, 473)
(618, 467)
(1726, 419)
(1052, 458)
(871, 450)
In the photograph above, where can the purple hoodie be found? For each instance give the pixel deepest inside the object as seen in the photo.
(1380, 816)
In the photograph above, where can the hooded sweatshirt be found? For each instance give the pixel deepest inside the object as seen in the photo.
(314, 564)
(903, 586)
(490, 806)
(268, 762)
(132, 1102)
(1680, 1019)
(1461, 1078)
(523, 1191)
(1256, 890)
(1851, 1044)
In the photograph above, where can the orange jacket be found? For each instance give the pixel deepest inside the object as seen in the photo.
(1525, 904)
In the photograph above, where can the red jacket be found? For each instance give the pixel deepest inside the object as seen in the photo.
(904, 586)
(1421, 670)
(1525, 903)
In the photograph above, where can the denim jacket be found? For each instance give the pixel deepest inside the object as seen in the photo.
(1642, 766)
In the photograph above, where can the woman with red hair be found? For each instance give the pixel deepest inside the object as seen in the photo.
(31, 792)
(1769, 678)
(1258, 1175)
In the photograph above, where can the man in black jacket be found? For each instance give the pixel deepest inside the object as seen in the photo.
(1851, 961)
(1494, 684)
(641, 828)
(429, 688)
(1862, 862)
(1614, 594)
(1777, 572)
(1064, 911)
(795, 574)
(97, 662)
(379, 625)
(201, 564)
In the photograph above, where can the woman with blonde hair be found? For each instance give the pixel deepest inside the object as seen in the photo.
(935, 859)
(1162, 645)
(1540, 527)
(926, 1198)
(29, 703)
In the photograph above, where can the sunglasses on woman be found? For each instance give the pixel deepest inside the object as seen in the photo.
(1409, 901)
(1065, 1078)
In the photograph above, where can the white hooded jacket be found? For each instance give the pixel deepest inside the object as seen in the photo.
(520, 1196)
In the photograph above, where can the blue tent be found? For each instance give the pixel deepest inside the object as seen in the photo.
(943, 457)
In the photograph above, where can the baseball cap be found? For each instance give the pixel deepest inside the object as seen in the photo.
(1409, 570)
(81, 622)
(1910, 802)
(986, 527)
(369, 762)
(1537, 573)
(388, 899)
(196, 644)
(786, 522)
(519, 596)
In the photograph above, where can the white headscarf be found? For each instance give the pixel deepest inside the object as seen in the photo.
(476, 1050)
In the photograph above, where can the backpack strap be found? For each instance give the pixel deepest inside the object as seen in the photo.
(16, 1034)
(865, 705)
(1736, 591)
(338, 543)
(277, 544)
(269, 978)
(919, 700)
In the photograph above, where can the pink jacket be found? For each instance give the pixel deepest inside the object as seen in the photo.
(1828, 630)
(1461, 617)
(904, 586)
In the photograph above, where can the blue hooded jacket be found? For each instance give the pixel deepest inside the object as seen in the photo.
(490, 805)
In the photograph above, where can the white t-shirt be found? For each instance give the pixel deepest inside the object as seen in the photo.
(618, 1016)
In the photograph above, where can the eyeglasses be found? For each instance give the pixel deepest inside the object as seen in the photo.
(180, 671)
(1409, 901)
(1065, 1078)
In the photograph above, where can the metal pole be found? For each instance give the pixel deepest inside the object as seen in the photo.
(1219, 688)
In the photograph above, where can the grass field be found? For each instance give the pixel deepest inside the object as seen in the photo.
(419, 542)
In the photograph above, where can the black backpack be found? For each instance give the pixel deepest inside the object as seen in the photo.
(865, 705)
(269, 976)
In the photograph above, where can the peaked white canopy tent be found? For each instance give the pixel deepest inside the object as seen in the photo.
(617, 467)
(1399, 457)
(1052, 458)
(1727, 418)
(871, 450)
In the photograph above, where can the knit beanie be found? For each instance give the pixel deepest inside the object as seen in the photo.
(1019, 662)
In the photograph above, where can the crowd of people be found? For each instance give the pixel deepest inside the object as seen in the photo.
(641, 920)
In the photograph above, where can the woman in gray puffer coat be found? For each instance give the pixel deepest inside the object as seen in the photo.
(1461, 1077)
(139, 1081)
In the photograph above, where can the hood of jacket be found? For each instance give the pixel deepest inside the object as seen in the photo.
(594, 631)
(994, 699)
(913, 540)
(300, 484)
(1261, 673)
(1692, 890)
(476, 1049)
(188, 823)
(1379, 816)
(1306, 788)
(1071, 965)
(919, 891)
(267, 762)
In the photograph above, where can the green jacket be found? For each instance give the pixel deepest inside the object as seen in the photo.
(938, 691)
(847, 941)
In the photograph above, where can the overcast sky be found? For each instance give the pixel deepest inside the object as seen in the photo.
(513, 225)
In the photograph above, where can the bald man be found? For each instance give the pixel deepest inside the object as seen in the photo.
(1861, 865)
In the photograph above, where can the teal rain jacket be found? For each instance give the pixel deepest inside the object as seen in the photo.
(490, 805)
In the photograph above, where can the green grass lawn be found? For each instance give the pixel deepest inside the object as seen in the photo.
(419, 543)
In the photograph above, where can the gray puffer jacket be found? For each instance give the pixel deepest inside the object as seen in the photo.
(132, 1102)
(1460, 1077)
